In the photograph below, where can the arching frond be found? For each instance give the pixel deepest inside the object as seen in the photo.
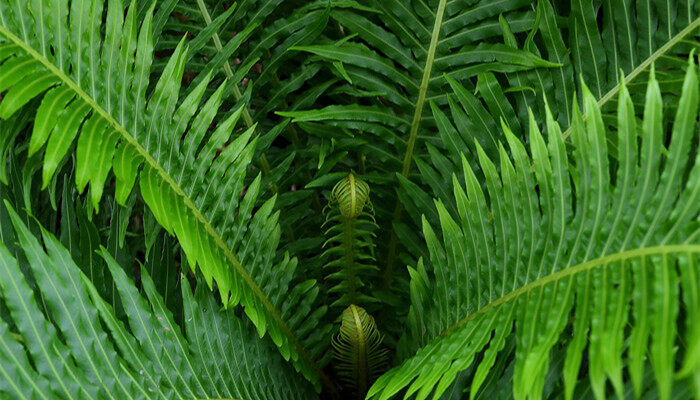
(604, 40)
(594, 40)
(614, 244)
(248, 43)
(94, 86)
(68, 343)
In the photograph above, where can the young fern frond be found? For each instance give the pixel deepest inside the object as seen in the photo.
(351, 195)
(350, 234)
(359, 354)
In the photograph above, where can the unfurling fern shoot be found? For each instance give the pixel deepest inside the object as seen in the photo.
(350, 239)
(359, 354)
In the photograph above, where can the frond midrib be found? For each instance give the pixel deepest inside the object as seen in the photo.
(678, 38)
(173, 185)
(413, 135)
(423, 88)
(573, 270)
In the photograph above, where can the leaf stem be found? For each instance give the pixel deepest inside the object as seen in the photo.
(349, 259)
(583, 267)
(644, 65)
(420, 103)
(413, 134)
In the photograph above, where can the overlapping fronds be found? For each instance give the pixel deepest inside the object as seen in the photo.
(68, 343)
(574, 35)
(267, 75)
(360, 357)
(389, 61)
(556, 265)
(599, 42)
(93, 84)
(265, 29)
(398, 58)
(247, 43)
(404, 53)
(613, 243)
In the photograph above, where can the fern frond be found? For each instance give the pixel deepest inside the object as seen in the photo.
(277, 27)
(271, 76)
(350, 235)
(613, 244)
(359, 354)
(94, 88)
(74, 346)
(479, 44)
(602, 40)
(403, 52)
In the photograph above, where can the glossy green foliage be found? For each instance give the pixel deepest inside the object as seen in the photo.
(601, 42)
(615, 243)
(402, 53)
(403, 73)
(263, 33)
(65, 342)
(249, 44)
(193, 144)
(93, 87)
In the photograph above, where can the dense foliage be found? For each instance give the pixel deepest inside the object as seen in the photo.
(283, 199)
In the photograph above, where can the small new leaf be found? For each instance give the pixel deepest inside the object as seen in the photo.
(351, 194)
(359, 354)
(350, 248)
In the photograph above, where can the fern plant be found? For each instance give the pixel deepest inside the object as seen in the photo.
(512, 189)
(97, 88)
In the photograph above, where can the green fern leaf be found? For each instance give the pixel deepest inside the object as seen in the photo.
(95, 88)
(79, 349)
(620, 255)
